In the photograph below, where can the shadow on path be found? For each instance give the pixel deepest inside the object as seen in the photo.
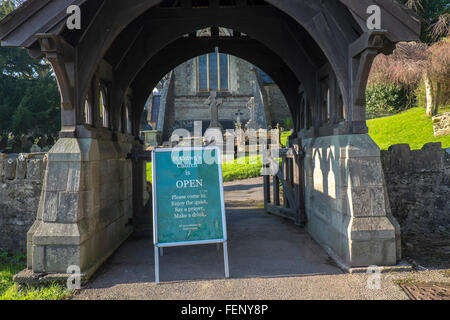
(260, 245)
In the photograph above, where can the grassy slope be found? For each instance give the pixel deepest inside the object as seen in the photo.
(411, 127)
(9, 266)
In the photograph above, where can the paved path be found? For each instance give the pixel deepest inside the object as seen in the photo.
(270, 258)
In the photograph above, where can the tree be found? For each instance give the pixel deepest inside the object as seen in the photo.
(7, 6)
(425, 62)
(435, 26)
(412, 63)
(29, 97)
(439, 55)
(435, 16)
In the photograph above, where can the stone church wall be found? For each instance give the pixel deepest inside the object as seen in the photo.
(278, 107)
(189, 104)
(20, 190)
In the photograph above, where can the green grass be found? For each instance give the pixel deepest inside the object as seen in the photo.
(284, 136)
(244, 168)
(412, 127)
(149, 172)
(9, 266)
(250, 167)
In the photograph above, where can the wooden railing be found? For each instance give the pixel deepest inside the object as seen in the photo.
(288, 203)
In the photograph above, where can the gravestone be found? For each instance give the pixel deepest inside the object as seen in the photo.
(35, 149)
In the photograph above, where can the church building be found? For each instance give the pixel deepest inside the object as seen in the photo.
(182, 96)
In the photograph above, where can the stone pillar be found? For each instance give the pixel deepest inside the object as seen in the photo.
(346, 201)
(86, 203)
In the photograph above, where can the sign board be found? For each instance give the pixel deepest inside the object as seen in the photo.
(188, 201)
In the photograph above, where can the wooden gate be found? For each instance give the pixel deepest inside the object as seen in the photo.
(284, 188)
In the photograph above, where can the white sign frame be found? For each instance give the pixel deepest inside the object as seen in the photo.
(160, 246)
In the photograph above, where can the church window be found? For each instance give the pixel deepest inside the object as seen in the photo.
(213, 71)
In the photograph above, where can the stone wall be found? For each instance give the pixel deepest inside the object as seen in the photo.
(194, 108)
(357, 199)
(441, 124)
(188, 73)
(418, 183)
(20, 188)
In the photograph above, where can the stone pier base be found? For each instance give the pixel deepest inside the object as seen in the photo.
(86, 205)
(346, 202)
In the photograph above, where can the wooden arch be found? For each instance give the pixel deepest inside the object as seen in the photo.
(187, 48)
(299, 32)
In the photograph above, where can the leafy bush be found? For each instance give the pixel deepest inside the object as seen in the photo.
(288, 123)
(386, 99)
(284, 137)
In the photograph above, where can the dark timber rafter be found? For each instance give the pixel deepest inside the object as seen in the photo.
(178, 16)
(305, 34)
(247, 49)
(61, 56)
(269, 31)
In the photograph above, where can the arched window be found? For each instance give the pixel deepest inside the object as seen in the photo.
(328, 117)
(104, 112)
(326, 106)
(129, 126)
(341, 107)
(87, 112)
(213, 72)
